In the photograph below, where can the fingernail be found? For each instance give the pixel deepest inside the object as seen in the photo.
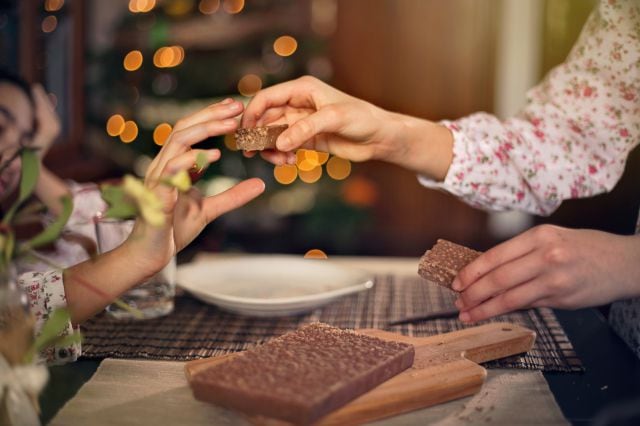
(465, 317)
(226, 101)
(456, 285)
(291, 158)
(234, 105)
(459, 304)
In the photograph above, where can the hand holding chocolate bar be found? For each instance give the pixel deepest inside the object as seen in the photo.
(323, 118)
(545, 266)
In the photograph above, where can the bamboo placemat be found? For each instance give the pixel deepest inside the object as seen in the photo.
(197, 330)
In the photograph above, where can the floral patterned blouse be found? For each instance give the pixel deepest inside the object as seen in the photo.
(571, 140)
(42, 282)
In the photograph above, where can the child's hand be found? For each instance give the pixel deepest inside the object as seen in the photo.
(188, 213)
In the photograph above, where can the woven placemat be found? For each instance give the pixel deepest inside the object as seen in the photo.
(197, 330)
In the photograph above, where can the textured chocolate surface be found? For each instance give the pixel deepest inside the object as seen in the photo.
(303, 375)
(258, 138)
(441, 263)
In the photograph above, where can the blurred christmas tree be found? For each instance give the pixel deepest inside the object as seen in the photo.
(172, 57)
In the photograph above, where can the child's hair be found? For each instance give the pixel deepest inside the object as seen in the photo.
(8, 77)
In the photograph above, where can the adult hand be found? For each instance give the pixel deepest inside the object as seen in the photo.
(188, 213)
(552, 267)
(47, 122)
(323, 118)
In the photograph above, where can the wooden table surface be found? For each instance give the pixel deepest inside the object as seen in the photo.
(611, 379)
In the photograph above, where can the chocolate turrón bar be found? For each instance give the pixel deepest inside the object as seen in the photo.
(302, 375)
(444, 260)
(258, 138)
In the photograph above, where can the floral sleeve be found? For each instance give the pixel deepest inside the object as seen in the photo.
(45, 292)
(43, 282)
(572, 138)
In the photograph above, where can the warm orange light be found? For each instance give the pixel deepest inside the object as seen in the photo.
(359, 191)
(233, 6)
(338, 168)
(129, 132)
(315, 254)
(53, 5)
(133, 60)
(230, 142)
(249, 85)
(161, 133)
(209, 7)
(178, 51)
(307, 159)
(133, 6)
(115, 125)
(145, 6)
(178, 7)
(322, 157)
(168, 56)
(49, 24)
(285, 174)
(285, 45)
(310, 176)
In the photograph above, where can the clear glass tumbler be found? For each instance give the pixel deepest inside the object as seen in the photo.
(154, 297)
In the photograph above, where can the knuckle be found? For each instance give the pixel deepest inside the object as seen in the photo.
(304, 128)
(546, 233)
(556, 255)
(179, 124)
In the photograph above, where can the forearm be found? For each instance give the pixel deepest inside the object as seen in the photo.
(419, 145)
(91, 285)
(50, 189)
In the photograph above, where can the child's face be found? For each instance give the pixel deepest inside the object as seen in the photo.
(16, 130)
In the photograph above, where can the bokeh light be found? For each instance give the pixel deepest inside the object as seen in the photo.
(285, 45)
(322, 157)
(338, 168)
(53, 5)
(233, 6)
(307, 159)
(209, 7)
(115, 125)
(49, 24)
(178, 7)
(129, 132)
(310, 176)
(249, 85)
(285, 174)
(315, 254)
(359, 191)
(168, 56)
(141, 6)
(161, 133)
(133, 60)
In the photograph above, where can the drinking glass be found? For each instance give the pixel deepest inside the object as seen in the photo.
(155, 296)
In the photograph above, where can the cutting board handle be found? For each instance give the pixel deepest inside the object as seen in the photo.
(478, 344)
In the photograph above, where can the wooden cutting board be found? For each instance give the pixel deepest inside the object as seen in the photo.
(445, 368)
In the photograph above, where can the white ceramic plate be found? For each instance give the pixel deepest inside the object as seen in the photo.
(273, 285)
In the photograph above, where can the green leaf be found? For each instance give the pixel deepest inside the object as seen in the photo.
(68, 340)
(120, 205)
(9, 246)
(52, 232)
(201, 161)
(28, 180)
(56, 323)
